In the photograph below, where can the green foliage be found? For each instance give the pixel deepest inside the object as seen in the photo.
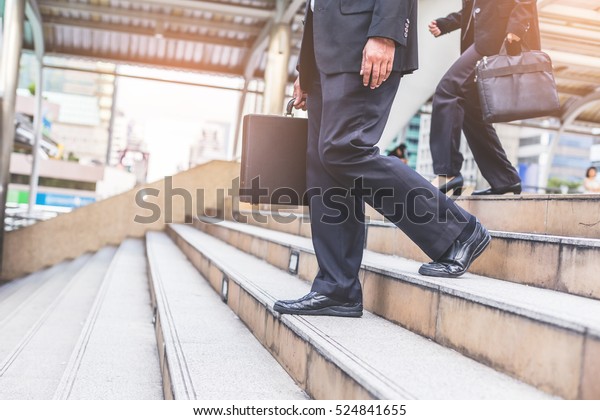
(573, 186)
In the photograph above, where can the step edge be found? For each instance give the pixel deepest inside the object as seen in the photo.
(67, 381)
(579, 327)
(524, 236)
(182, 386)
(43, 275)
(6, 363)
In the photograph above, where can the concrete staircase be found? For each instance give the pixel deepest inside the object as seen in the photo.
(547, 336)
(88, 329)
(187, 314)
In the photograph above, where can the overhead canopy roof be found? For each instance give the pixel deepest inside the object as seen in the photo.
(209, 36)
(230, 37)
(571, 35)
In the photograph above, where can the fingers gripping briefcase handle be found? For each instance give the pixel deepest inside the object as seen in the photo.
(522, 43)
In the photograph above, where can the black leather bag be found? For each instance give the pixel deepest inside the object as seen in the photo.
(516, 87)
(273, 167)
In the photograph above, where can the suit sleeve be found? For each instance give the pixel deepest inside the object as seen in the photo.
(389, 19)
(450, 23)
(521, 17)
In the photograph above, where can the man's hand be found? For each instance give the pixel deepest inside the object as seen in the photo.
(299, 96)
(434, 29)
(378, 61)
(512, 38)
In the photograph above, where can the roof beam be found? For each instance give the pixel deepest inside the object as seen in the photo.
(166, 64)
(573, 90)
(213, 7)
(573, 59)
(140, 77)
(150, 32)
(35, 18)
(143, 15)
(571, 33)
(568, 76)
(558, 43)
(544, 3)
(577, 107)
(571, 15)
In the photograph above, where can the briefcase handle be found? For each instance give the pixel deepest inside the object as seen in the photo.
(289, 109)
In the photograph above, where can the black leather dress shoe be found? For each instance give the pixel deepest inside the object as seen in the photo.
(455, 185)
(317, 304)
(515, 189)
(457, 260)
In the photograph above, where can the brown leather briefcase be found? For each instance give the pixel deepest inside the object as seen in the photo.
(274, 159)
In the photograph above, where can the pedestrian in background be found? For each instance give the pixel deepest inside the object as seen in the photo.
(485, 25)
(400, 153)
(591, 185)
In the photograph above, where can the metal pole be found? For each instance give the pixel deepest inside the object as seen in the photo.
(278, 58)
(238, 127)
(276, 73)
(151, 79)
(14, 13)
(111, 124)
(554, 141)
(37, 133)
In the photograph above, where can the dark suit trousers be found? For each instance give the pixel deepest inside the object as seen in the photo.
(456, 106)
(345, 169)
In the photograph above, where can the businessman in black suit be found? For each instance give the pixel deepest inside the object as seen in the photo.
(485, 25)
(353, 55)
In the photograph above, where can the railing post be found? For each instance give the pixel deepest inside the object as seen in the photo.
(12, 40)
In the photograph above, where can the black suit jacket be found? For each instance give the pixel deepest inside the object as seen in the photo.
(341, 29)
(494, 20)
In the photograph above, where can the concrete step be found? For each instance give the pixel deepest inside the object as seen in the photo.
(554, 262)
(116, 356)
(335, 357)
(20, 312)
(13, 293)
(546, 338)
(559, 215)
(206, 352)
(42, 340)
(25, 285)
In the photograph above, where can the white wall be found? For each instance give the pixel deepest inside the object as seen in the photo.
(435, 57)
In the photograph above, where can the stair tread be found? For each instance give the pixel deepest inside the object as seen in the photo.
(24, 311)
(15, 295)
(218, 354)
(391, 361)
(558, 308)
(562, 309)
(116, 356)
(34, 366)
(24, 285)
(533, 237)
